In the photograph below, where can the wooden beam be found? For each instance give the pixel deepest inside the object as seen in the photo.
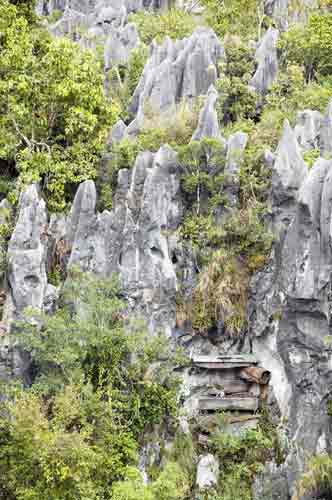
(233, 403)
(224, 361)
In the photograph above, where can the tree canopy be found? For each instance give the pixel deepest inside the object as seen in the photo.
(54, 112)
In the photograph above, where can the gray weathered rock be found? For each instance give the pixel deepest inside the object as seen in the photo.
(290, 311)
(307, 129)
(207, 472)
(183, 69)
(135, 239)
(208, 124)
(235, 152)
(289, 169)
(285, 12)
(100, 24)
(27, 252)
(278, 10)
(119, 44)
(118, 132)
(267, 60)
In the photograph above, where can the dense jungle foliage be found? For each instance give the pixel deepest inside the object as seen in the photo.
(73, 430)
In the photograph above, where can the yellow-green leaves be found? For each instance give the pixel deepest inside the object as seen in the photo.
(54, 113)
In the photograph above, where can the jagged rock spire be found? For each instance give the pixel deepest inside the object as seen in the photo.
(289, 169)
(266, 57)
(208, 125)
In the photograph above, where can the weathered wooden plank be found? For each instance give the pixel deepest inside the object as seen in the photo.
(223, 362)
(233, 403)
(228, 386)
(222, 365)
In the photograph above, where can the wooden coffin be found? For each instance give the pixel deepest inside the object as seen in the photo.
(255, 374)
(245, 403)
(224, 361)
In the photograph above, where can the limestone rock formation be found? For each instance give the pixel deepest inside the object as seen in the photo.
(207, 472)
(136, 239)
(183, 69)
(289, 169)
(235, 151)
(307, 129)
(27, 252)
(290, 309)
(267, 60)
(278, 11)
(208, 124)
(98, 23)
(285, 12)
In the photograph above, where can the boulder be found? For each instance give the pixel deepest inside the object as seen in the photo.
(207, 472)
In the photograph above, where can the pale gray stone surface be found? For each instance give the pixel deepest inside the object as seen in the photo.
(208, 124)
(207, 472)
(184, 69)
(267, 62)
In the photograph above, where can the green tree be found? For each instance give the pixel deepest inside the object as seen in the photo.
(76, 430)
(54, 114)
(235, 17)
(310, 45)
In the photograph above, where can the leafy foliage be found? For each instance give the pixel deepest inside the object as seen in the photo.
(241, 458)
(6, 227)
(54, 115)
(310, 45)
(173, 23)
(237, 100)
(317, 480)
(174, 130)
(235, 17)
(76, 430)
(171, 485)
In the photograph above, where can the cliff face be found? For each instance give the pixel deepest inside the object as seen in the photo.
(289, 306)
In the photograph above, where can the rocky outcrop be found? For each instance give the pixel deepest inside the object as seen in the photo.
(289, 169)
(267, 62)
(290, 309)
(27, 253)
(137, 238)
(98, 23)
(278, 11)
(207, 472)
(208, 123)
(285, 12)
(307, 129)
(236, 145)
(183, 69)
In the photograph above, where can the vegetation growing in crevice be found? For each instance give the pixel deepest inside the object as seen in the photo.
(6, 229)
(174, 129)
(317, 479)
(174, 23)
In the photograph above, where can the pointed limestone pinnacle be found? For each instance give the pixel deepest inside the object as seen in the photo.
(267, 59)
(208, 125)
(289, 169)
